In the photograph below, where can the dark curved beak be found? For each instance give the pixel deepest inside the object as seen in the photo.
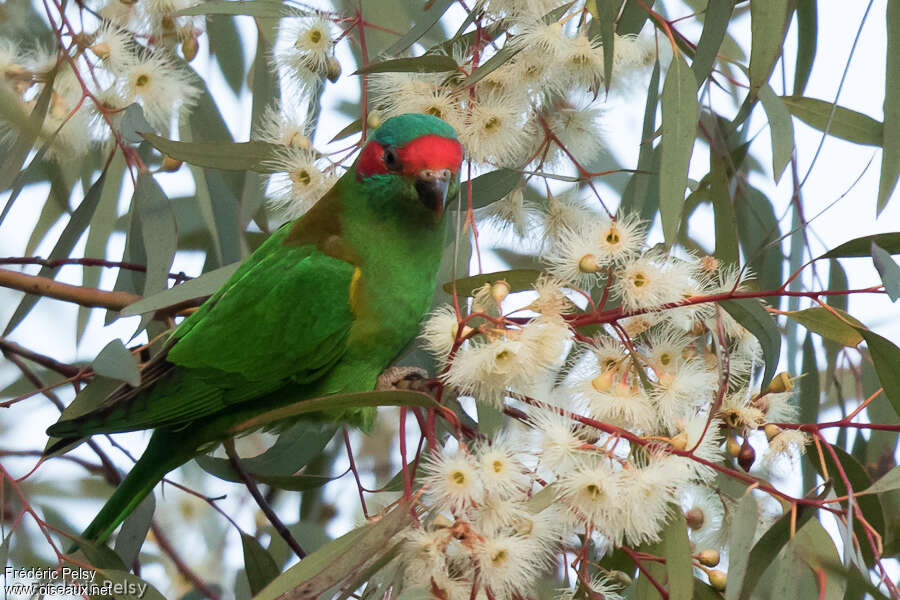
(432, 186)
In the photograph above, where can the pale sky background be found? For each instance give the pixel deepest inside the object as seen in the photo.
(48, 328)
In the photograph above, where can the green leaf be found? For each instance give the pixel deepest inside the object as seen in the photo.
(126, 586)
(336, 402)
(265, 91)
(768, 22)
(134, 531)
(85, 401)
(116, 362)
(493, 186)
(427, 63)
(225, 44)
(886, 357)
(643, 187)
(765, 551)
(229, 156)
(517, 279)
(490, 65)
(859, 480)
(863, 246)
(254, 8)
(845, 124)
(634, 14)
(200, 287)
(751, 314)
(133, 123)
(740, 540)
(16, 155)
(432, 14)
(680, 111)
(605, 20)
(295, 448)
(725, 222)
(339, 560)
(677, 552)
(157, 231)
(890, 481)
(259, 565)
(807, 37)
(890, 157)
(889, 271)
(715, 24)
(758, 232)
(826, 324)
(70, 235)
(808, 397)
(781, 129)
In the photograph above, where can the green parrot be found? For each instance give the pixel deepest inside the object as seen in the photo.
(321, 307)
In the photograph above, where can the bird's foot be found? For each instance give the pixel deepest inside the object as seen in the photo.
(403, 378)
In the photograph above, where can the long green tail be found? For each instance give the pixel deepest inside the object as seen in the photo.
(163, 453)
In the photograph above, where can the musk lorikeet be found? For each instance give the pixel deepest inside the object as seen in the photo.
(321, 307)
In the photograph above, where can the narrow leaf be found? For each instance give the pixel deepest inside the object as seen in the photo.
(807, 37)
(134, 530)
(517, 279)
(72, 232)
(205, 285)
(889, 481)
(751, 314)
(254, 8)
(890, 156)
(886, 357)
(715, 24)
(229, 156)
(677, 552)
(889, 242)
(845, 124)
(740, 540)
(492, 186)
(768, 22)
(889, 271)
(338, 560)
(259, 565)
(116, 362)
(781, 129)
(428, 63)
(680, 110)
(432, 14)
(826, 324)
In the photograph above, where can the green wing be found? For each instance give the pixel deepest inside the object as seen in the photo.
(283, 317)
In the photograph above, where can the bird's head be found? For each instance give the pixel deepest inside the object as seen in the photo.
(412, 159)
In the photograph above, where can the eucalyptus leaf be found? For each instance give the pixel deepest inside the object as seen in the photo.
(680, 110)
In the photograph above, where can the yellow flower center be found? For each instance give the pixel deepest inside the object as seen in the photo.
(498, 465)
(434, 111)
(302, 177)
(612, 236)
(500, 558)
(639, 280)
(593, 491)
(315, 36)
(142, 81)
(492, 124)
(458, 477)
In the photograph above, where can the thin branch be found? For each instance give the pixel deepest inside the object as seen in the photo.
(64, 369)
(44, 286)
(261, 501)
(166, 546)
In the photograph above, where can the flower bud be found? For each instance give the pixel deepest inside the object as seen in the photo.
(680, 441)
(603, 382)
(747, 456)
(332, 69)
(732, 446)
(588, 264)
(780, 383)
(708, 557)
(169, 164)
(189, 47)
(441, 522)
(374, 119)
(717, 579)
(772, 430)
(620, 577)
(695, 517)
(499, 291)
(101, 50)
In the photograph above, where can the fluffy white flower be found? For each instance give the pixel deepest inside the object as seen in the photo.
(278, 126)
(576, 125)
(789, 442)
(559, 440)
(647, 493)
(704, 513)
(682, 388)
(496, 129)
(439, 331)
(624, 404)
(160, 87)
(398, 93)
(502, 473)
(592, 491)
(452, 481)
(299, 181)
(509, 564)
(642, 284)
(114, 46)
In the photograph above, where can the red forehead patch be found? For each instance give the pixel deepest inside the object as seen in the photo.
(426, 152)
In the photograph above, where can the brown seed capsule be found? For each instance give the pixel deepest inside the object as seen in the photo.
(709, 557)
(332, 69)
(441, 522)
(747, 456)
(169, 164)
(780, 383)
(717, 579)
(732, 446)
(695, 517)
(772, 430)
(189, 47)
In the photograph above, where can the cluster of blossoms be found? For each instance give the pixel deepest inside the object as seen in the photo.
(538, 107)
(616, 421)
(129, 57)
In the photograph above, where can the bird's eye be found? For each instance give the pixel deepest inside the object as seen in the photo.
(391, 160)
